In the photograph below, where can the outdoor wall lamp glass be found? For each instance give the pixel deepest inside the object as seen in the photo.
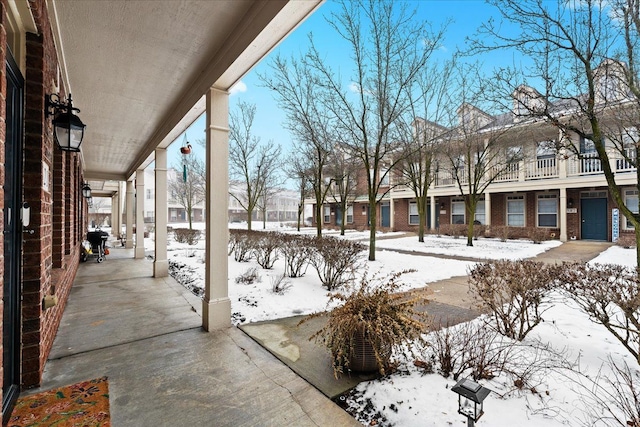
(90, 201)
(570, 203)
(470, 398)
(86, 191)
(68, 129)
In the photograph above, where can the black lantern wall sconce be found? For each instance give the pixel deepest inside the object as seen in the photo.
(86, 191)
(68, 129)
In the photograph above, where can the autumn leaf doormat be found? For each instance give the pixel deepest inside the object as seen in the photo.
(82, 404)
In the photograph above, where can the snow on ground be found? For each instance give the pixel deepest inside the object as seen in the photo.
(410, 397)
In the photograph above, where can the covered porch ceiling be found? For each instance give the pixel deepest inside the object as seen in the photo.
(139, 70)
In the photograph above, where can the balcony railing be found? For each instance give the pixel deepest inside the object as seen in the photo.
(542, 168)
(588, 164)
(624, 165)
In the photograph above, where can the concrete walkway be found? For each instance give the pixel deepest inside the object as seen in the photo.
(164, 370)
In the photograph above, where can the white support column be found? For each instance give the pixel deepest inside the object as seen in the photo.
(216, 306)
(116, 214)
(129, 215)
(487, 209)
(392, 214)
(139, 252)
(563, 214)
(433, 212)
(161, 263)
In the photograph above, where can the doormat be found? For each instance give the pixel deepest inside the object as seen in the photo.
(82, 404)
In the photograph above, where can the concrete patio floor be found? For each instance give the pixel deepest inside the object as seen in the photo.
(145, 335)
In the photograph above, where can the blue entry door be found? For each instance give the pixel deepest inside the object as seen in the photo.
(593, 219)
(385, 214)
(338, 216)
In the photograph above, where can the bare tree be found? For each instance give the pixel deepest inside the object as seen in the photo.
(480, 149)
(343, 170)
(423, 134)
(585, 53)
(389, 46)
(298, 171)
(300, 96)
(186, 186)
(251, 164)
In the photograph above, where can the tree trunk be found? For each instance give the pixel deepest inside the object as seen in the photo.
(318, 219)
(470, 205)
(343, 207)
(422, 218)
(249, 212)
(299, 215)
(372, 229)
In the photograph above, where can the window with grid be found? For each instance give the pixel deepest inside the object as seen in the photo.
(515, 211)
(547, 210)
(350, 214)
(457, 212)
(414, 218)
(631, 201)
(327, 214)
(480, 216)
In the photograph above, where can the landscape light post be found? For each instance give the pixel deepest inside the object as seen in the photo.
(470, 398)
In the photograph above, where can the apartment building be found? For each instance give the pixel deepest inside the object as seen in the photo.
(535, 183)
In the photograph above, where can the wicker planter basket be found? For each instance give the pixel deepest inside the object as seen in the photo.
(363, 357)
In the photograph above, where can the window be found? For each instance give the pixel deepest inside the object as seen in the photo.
(149, 194)
(174, 215)
(631, 201)
(384, 177)
(546, 150)
(457, 212)
(514, 154)
(479, 216)
(587, 146)
(547, 210)
(327, 214)
(414, 218)
(350, 214)
(515, 211)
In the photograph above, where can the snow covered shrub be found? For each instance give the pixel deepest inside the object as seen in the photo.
(502, 232)
(334, 259)
(469, 347)
(185, 235)
(374, 313)
(537, 234)
(248, 277)
(265, 249)
(513, 293)
(279, 284)
(297, 252)
(241, 244)
(610, 295)
(627, 240)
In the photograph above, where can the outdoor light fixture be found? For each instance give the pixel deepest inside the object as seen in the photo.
(442, 206)
(90, 201)
(570, 202)
(86, 191)
(470, 398)
(68, 129)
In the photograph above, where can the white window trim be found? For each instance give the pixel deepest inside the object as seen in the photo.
(546, 196)
(417, 214)
(464, 214)
(349, 208)
(632, 192)
(326, 218)
(524, 213)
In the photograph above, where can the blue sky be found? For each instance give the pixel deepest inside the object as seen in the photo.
(464, 16)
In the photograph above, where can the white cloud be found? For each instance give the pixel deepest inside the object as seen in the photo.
(239, 87)
(354, 87)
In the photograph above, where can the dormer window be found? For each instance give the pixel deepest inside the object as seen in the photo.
(527, 100)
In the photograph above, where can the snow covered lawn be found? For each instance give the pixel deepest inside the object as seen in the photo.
(412, 397)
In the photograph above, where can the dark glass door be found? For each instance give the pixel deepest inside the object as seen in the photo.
(385, 214)
(12, 238)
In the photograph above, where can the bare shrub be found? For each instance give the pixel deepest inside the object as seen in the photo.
(502, 232)
(265, 249)
(626, 240)
(513, 293)
(479, 230)
(334, 259)
(297, 252)
(610, 295)
(249, 277)
(242, 243)
(375, 312)
(279, 284)
(185, 235)
(537, 234)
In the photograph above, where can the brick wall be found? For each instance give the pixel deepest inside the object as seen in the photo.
(50, 261)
